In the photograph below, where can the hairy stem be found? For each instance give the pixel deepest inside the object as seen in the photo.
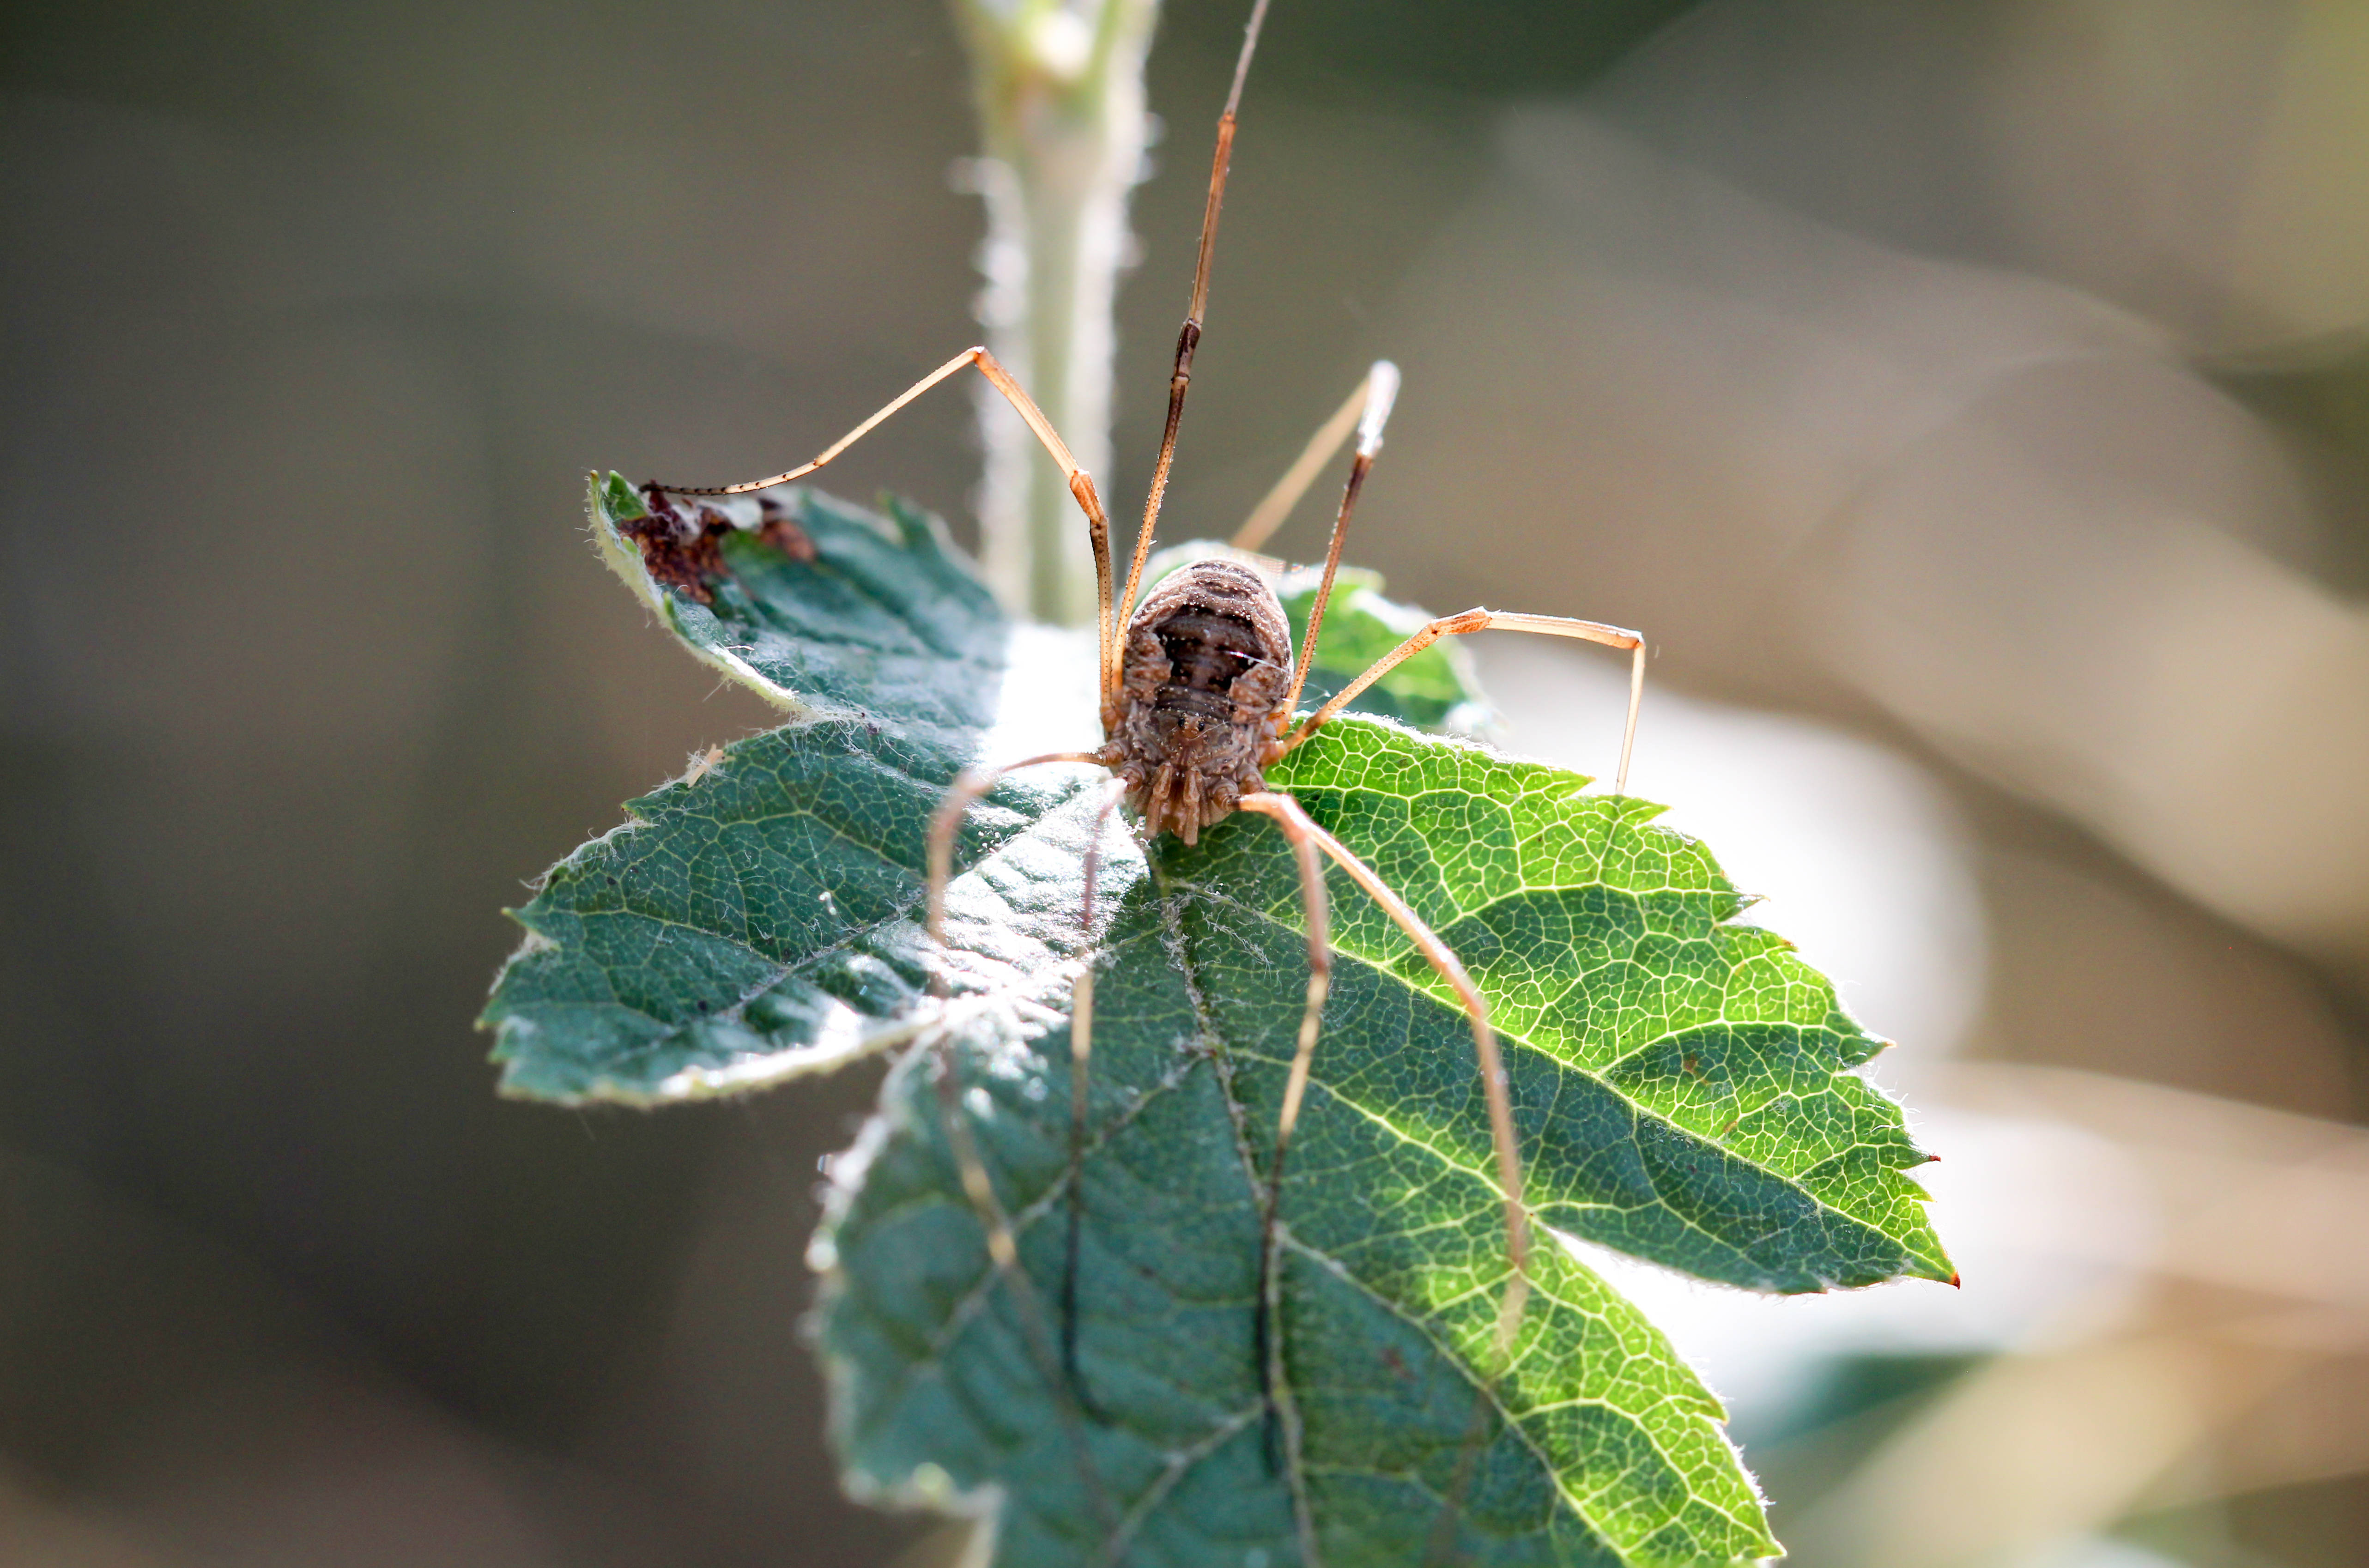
(1060, 92)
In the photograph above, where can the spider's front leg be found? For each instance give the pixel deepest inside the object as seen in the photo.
(1080, 483)
(1478, 620)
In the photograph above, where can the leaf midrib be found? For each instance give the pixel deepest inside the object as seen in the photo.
(1456, 1359)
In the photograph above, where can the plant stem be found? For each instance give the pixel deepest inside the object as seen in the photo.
(1060, 90)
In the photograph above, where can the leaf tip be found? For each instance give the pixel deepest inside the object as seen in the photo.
(616, 497)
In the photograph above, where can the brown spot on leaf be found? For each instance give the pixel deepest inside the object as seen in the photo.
(783, 534)
(679, 543)
(682, 538)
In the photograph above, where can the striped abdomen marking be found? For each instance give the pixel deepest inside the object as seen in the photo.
(1207, 651)
(1206, 661)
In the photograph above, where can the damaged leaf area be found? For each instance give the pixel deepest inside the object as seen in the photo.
(752, 923)
(682, 538)
(1683, 1086)
(817, 604)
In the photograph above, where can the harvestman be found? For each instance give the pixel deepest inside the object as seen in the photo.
(1198, 696)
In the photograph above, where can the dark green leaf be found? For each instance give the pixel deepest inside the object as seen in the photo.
(1434, 690)
(753, 923)
(815, 604)
(1681, 1083)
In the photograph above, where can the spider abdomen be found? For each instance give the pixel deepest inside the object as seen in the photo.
(1206, 664)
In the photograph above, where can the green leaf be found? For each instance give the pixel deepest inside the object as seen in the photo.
(1434, 690)
(1681, 1083)
(753, 923)
(820, 606)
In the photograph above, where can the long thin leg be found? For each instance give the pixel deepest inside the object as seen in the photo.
(1498, 621)
(1003, 1249)
(1081, 484)
(1305, 837)
(1082, 1050)
(947, 821)
(1285, 809)
(1003, 1245)
(1501, 1126)
(1180, 377)
(1303, 834)
(1269, 515)
(1382, 392)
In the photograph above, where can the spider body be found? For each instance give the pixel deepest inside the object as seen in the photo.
(1205, 675)
(1198, 684)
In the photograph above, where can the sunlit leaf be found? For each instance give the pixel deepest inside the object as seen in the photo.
(1681, 1083)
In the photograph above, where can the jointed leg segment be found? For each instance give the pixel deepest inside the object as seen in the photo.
(1188, 339)
(1080, 483)
(1082, 1052)
(1381, 389)
(1478, 620)
(1303, 834)
(1306, 837)
(1306, 844)
(1269, 515)
(1003, 1251)
(947, 821)
(1060, 1366)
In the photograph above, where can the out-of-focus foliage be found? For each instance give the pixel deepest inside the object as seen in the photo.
(1509, 46)
(306, 324)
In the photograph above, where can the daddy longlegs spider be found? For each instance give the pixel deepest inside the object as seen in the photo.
(1198, 685)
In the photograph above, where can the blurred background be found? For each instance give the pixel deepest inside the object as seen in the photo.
(1970, 397)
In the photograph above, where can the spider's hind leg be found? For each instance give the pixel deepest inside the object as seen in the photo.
(1303, 836)
(1308, 839)
(1081, 1049)
(1061, 1370)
